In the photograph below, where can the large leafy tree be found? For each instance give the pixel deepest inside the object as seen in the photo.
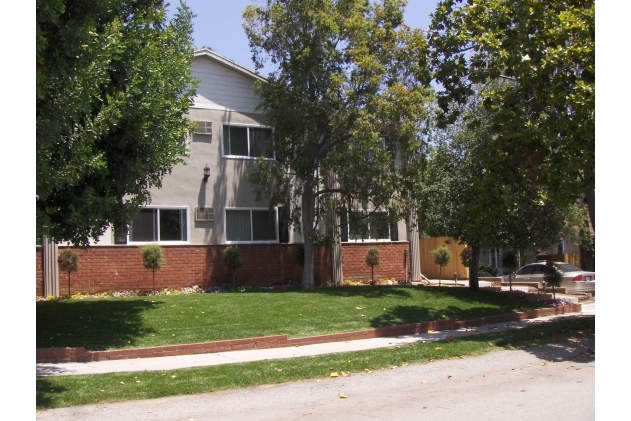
(466, 197)
(113, 88)
(347, 100)
(543, 119)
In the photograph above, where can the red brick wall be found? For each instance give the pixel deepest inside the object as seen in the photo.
(391, 256)
(118, 268)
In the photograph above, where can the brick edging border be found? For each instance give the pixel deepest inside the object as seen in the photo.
(65, 355)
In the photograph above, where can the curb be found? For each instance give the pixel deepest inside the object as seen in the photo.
(67, 355)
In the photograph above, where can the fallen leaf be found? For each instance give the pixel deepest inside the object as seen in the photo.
(360, 308)
(438, 349)
(173, 377)
(367, 371)
(122, 382)
(392, 367)
(542, 363)
(405, 364)
(448, 376)
(163, 374)
(412, 345)
(430, 331)
(279, 369)
(528, 365)
(522, 390)
(137, 381)
(424, 382)
(334, 374)
(313, 356)
(102, 390)
(341, 396)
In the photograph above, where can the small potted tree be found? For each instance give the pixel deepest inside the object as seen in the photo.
(68, 261)
(510, 262)
(232, 260)
(553, 276)
(372, 260)
(153, 258)
(442, 256)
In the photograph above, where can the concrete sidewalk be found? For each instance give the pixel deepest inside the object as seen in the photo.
(234, 357)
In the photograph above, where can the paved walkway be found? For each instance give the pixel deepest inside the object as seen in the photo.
(233, 357)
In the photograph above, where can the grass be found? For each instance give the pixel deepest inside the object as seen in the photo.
(53, 392)
(114, 323)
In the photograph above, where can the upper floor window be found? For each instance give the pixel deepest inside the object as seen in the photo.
(247, 141)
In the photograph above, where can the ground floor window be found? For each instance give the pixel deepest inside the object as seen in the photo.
(159, 225)
(374, 226)
(251, 225)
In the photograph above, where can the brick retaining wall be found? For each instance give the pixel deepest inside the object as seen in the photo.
(118, 268)
(57, 355)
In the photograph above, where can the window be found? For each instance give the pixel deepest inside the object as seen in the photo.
(372, 227)
(159, 225)
(251, 225)
(203, 131)
(247, 141)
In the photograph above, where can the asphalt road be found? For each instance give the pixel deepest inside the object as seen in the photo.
(551, 382)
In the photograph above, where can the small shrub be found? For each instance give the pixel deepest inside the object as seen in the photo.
(465, 257)
(372, 260)
(553, 276)
(153, 258)
(68, 261)
(486, 270)
(442, 256)
(510, 262)
(232, 260)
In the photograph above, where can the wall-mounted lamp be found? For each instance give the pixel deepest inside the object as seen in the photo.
(206, 172)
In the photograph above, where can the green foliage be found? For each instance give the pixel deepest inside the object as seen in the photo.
(465, 257)
(372, 259)
(112, 93)
(232, 260)
(68, 261)
(543, 114)
(152, 256)
(486, 270)
(509, 261)
(466, 196)
(347, 101)
(442, 256)
(553, 277)
(372, 256)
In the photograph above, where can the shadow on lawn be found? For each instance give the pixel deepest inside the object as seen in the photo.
(94, 324)
(365, 291)
(45, 391)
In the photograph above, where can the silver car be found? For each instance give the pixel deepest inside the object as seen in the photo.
(575, 280)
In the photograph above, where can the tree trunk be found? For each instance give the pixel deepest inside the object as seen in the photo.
(474, 283)
(308, 211)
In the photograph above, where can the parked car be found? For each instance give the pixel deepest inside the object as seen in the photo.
(575, 280)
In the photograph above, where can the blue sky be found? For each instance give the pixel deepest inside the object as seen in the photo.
(218, 25)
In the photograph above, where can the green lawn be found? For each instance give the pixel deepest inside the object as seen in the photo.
(113, 323)
(53, 392)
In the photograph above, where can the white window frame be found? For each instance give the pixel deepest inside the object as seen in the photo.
(225, 228)
(166, 243)
(248, 126)
(367, 240)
